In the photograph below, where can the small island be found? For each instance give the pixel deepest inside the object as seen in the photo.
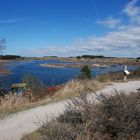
(72, 65)
(62, 65)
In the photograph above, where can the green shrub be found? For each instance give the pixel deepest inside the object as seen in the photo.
(85, 72)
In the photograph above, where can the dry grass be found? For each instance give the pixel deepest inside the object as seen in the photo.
(115, 117)
(118, 76)
(11, 103)
(75, 87)
(114, 76)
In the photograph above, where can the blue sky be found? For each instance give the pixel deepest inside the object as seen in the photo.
(71, 27)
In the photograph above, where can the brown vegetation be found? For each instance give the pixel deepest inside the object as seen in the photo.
(75, 87)
(114, 76)
(11, 103)
(118, 76)
(41, 95)
(115, 117)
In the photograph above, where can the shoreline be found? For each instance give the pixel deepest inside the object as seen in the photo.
(98, 61)
(76, 65)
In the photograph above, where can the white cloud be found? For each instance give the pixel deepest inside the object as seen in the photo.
(110, 22)
(133, 11)
(118, 43)
(11, 21)
(124, 41)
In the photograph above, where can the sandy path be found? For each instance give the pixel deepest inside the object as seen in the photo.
(22, 123)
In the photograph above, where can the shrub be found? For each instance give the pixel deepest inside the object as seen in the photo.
(75, 87)
(85, 72)
(35, 87)
(118, 115)
(113, 76)
(114, 117)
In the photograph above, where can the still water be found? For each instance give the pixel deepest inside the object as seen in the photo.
(49, 76)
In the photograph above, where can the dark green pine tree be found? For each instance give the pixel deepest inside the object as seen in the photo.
(85, 72)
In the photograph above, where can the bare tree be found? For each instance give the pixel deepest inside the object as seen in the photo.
(2, 48)
(2, 45)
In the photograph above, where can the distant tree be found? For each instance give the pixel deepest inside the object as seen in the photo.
(9, 57)
(92, 56)
(78, 57)
(85, 72)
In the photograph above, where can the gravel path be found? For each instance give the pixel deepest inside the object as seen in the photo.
(22, 123)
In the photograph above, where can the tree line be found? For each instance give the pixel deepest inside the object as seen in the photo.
(8, 57)
(92, 56)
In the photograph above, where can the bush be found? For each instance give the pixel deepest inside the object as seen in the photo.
(85, 72)
(119, 115)
(75, 87)
(35, 87)
(115, 117)
(113, 76)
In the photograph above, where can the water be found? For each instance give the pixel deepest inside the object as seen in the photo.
(49, 76)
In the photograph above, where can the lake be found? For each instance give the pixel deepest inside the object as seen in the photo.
(49, 76)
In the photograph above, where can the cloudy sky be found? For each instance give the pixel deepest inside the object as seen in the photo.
(71, 27)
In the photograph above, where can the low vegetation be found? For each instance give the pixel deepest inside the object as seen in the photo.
(36, 89)
(11, 103)
(114, 117)
(136, 72)
(85, 72)
(109, 77)
(75, 87)
(118, 76)
(38, 94)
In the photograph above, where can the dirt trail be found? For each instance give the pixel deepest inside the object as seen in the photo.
(22, 123)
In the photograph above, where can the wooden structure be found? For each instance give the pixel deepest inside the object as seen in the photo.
(18, 88)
